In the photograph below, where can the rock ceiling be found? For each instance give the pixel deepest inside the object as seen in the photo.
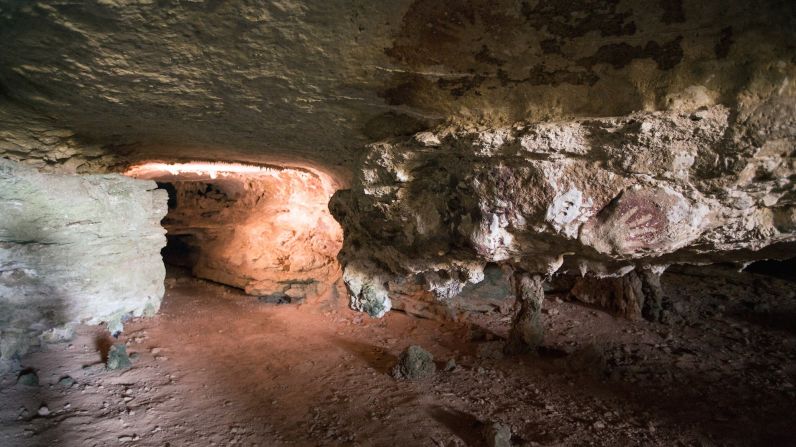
(313, 81)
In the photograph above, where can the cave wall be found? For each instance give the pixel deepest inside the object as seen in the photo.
(268, 234)
(616, 111)
(594, 196)
(41, 142)
(75, 249)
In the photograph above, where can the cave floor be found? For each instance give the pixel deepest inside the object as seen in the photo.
(217, 367)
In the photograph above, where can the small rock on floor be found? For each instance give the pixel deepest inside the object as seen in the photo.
(451, 365)
(590, 359)
(415, 363)
(491, 350)
(28, 378)
(118, 358)
(497, 434)
(66, 381)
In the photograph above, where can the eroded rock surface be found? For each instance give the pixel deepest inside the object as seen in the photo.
(596, 197)
(635, 295)
(75, 249)
(313, 80)
(268, 232)
(527, 331)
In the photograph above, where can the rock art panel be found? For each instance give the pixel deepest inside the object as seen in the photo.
(641, 221)
(597, 197)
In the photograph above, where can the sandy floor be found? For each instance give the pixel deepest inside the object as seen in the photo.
(220, 368)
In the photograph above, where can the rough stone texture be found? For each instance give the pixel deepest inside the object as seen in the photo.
(697, 164)
(75, 249)
(268, 232)
(41, 143)
(310, 81)
(598, 196)
(493, 294)
(497, 434)
(527, 332)
(118, 358)
(634, 295)
(415, 363)
(28, 378)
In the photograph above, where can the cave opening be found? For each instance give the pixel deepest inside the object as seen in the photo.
(265, 230)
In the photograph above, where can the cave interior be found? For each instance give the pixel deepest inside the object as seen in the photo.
(351, 223)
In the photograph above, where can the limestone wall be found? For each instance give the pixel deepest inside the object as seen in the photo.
(597, 196)
(75, 249)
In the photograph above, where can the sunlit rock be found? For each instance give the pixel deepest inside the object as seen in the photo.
(262, 229)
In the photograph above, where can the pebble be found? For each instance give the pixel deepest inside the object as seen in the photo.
(66, 381)
(451, 365)
(44, 411)
(28, 379)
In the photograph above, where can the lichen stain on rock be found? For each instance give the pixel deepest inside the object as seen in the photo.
(666, 55)
(672, 11)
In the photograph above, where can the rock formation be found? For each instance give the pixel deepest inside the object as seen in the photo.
(587, 137)
(414, 363)
(596, 197)
(312, 81)
(635, 295)
(267, 231)
(75, 249)
(526, 328)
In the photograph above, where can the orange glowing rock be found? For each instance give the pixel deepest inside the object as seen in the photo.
(264, 229)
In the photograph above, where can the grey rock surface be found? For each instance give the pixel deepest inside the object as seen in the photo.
(29, 378)
(66, 381)
(497, 434)
(118, 358)
(75, 249)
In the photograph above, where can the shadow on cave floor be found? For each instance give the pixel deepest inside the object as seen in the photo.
(219, 367)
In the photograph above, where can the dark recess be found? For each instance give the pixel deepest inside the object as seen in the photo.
(781, 269)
